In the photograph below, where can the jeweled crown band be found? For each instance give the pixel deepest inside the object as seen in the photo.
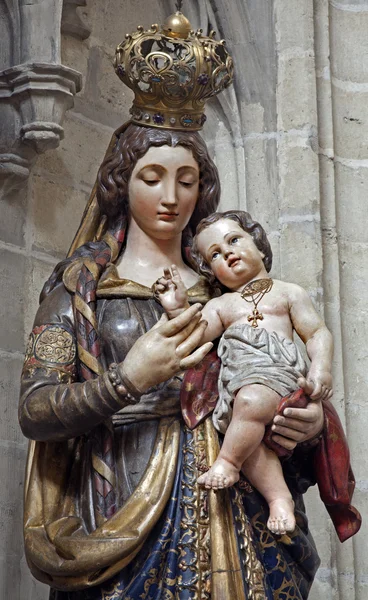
(164, 118)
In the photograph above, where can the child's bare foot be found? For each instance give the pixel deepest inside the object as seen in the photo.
(222, 474)
(282, 518)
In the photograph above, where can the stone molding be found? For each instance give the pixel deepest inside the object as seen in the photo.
(71, 22)
(33, 98)
(35, 89)
(42, 94)
(14, 171)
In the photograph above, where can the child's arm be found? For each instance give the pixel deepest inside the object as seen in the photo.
(318, 340)
(173, 296)
(211, 313)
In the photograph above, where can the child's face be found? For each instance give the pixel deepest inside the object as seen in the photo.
(231, 254)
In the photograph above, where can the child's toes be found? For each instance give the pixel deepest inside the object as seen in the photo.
(202, 479)
(281, 526)
(271, 524)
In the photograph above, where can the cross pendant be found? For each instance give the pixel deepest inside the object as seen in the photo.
(254, 317)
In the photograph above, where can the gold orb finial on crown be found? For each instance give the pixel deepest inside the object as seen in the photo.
(172, 71)
(177, 26)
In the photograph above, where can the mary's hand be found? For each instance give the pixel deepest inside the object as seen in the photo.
(168, 348)
(298, 425)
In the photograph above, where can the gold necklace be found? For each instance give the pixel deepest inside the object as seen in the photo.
(254, 292)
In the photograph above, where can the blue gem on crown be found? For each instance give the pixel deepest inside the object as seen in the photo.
(203, 79)
(158, 119)
(121, 70)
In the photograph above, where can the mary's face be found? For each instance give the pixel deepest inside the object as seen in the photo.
(163, 191)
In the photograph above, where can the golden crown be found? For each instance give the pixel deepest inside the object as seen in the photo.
(172, 71)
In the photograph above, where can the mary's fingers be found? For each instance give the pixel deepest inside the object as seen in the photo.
(164, 319)
(292, 434)
(284, 442)
(184, 334)
(185, 322)
(288, 422)
(192, 341)
(193, 359)
(304, 414)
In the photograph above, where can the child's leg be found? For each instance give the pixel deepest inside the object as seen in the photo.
(254, 407)
(264, 471)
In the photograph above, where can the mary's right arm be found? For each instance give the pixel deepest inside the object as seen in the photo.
(53, 404)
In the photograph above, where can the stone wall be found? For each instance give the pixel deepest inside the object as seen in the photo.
(290, 141)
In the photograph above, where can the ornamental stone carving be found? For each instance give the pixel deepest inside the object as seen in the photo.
(36, 90)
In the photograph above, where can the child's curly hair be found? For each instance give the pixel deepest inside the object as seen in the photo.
(247, 224)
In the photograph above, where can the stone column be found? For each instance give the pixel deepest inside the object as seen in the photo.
(338, 565)
(349, 80)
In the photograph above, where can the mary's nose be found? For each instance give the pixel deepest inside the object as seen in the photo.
(170, 197)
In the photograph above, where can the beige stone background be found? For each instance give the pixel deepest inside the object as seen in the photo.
(291, 143)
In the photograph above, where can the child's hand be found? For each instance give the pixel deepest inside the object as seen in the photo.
(171, 292)
(317, 385)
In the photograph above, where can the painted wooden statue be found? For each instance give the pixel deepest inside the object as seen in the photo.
(118, 399)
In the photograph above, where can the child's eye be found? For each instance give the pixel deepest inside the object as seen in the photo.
(215, 255)
(234, 240)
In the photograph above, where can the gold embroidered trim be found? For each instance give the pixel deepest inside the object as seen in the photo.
(204, 538)
(253, 568)
(51, 348)
(62, 376)
(54, 345)
(194, 544)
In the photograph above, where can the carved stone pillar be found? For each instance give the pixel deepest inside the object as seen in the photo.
(35, 88)
(71, 22)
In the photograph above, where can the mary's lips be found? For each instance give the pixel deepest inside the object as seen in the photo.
(168, 216)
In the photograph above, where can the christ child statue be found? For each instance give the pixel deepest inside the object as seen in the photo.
(260, 363)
